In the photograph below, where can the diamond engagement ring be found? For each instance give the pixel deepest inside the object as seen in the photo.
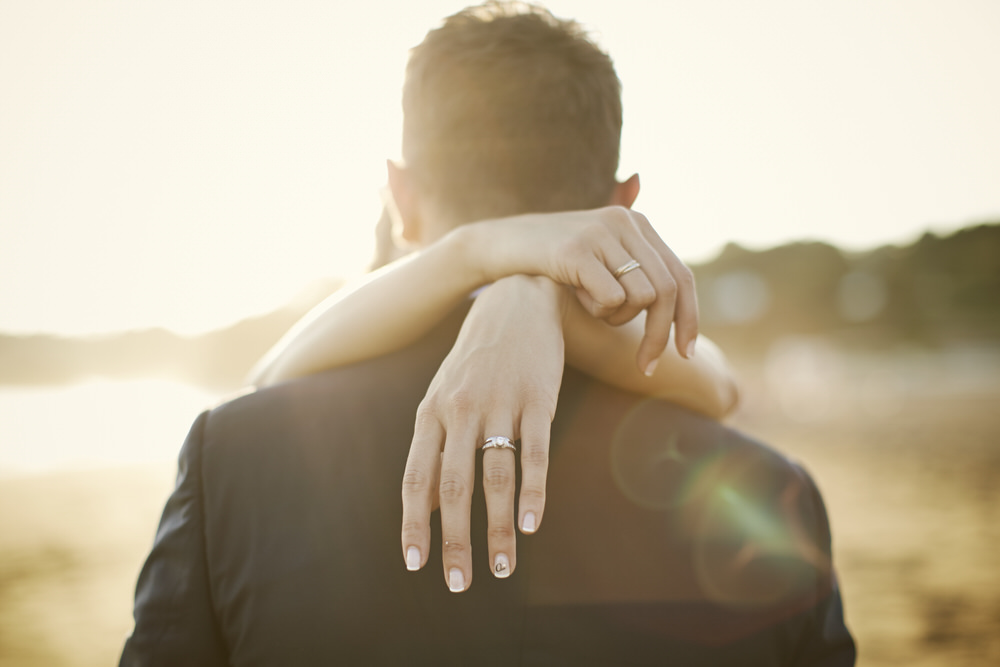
(499, 442)
(630, 265)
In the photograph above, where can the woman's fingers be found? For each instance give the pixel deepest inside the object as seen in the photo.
(536, 425)
(640, 293)
(660, 310)
(420, 489)
(503, 373)
(685, 314)
(498, 488)
(458, 472)
(598, 291)
(652, 279)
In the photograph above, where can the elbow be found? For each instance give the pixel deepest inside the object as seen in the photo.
(729, 398)
(718, 403)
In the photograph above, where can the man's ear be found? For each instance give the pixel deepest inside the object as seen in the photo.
(625, 192)
(405, 195)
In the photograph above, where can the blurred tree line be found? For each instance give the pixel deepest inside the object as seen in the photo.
(937, 291)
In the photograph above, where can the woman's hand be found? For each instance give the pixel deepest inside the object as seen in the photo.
(589, 250)
(501, 378)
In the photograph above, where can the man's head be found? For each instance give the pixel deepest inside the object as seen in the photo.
(507, 110)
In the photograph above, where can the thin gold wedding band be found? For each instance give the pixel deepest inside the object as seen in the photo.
(630, 265)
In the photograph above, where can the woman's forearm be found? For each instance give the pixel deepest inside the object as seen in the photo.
(385, 311)
(704, 383)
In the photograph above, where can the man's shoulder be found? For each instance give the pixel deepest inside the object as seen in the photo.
(646, 431)
(364, 392)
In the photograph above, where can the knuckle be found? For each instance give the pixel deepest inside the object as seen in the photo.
(622, 316)
(535, 455)
(669, 288)
(599, 310)
(459, 401)
(618, 214)
(415, 481)
(617, 299)
(426, 414)
(596, 234)
(643, 295)
(537, 398)
(497, 477)
(454, 548)
(411, 527)
(452, 488)
(684, 277)
(533, 495)
(657, 340)
(577, 248)
(503, 532)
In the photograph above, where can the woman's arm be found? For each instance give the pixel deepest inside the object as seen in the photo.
(398, 304)
(385, 311)
(704, 382)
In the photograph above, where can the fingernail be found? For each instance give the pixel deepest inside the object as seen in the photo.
(651, 367)
(501, 566)
(690, 349)
(528, 524)
(412, 559)
(456, 580)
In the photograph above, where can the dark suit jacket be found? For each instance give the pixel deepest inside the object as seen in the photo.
(667, 540)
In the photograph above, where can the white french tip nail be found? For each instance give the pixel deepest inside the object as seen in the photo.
(528, 524)
(690, 349)
(412, 559)
(501, 566)
(651, 367)
(456, 580)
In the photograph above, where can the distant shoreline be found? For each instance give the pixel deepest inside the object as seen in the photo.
(935, 293)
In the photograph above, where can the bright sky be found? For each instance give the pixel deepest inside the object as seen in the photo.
(186, 164)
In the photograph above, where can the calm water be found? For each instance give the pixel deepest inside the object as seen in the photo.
(105, 423)
(95, 424)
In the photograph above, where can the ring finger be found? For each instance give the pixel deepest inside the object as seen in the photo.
(639, 291)
(498, 488)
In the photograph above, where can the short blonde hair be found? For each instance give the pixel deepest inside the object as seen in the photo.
(510, 110)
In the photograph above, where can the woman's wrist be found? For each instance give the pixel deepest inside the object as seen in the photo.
(530, 296)
(469, 254)
(502, 247)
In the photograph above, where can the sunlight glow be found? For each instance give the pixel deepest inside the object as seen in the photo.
(186, 165)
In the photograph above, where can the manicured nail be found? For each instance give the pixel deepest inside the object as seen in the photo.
(528, 524)
(412, 559)
(690, 349)
(456, 580)
(501, 566)
(651, 367)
